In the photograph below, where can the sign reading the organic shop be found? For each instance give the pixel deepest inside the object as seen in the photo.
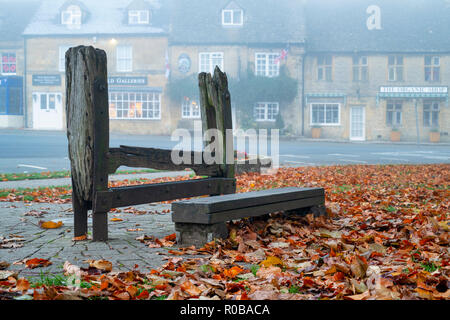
(127, 81)
(414, 90)
(46, 80)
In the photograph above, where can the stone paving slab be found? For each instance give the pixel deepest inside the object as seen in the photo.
(56, 245)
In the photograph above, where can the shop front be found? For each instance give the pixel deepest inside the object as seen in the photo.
(416, 113)
(11, 102)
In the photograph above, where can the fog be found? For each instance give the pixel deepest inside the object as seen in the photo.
(342, 81)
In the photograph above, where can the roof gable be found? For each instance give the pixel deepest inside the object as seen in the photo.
(265, 21)
(232, 5)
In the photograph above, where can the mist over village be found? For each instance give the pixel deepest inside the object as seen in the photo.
(220, 151)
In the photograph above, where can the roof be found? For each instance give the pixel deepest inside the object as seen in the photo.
(265, 21)
(103, 17)
(406, 26)
(14, 17)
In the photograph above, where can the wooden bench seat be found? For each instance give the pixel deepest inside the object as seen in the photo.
(198, 221)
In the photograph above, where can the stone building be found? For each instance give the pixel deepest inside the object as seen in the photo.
(376, 67)
(134, 35)
(258, 43)
(350, 69)
(14, 17)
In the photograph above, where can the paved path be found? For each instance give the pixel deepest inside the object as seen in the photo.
(56, 245)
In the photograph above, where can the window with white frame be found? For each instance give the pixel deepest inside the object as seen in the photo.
(325, 68)
(395, 68)
(394, 113)
(232, 17)
(360, 68)
(135, 105)
(209, 61)
(267, 64)
(325, 114)
(8, 63)
(190, 109)
(124, 59)
(431, 114)
(266, 111)
(138, 17)
(432, 68)
(62, 57)
(71, 16)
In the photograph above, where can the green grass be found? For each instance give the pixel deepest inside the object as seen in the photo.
(49, 280)
(390, 209)
(294, 289)
(430, 267)
(254, 269)
(58, 174)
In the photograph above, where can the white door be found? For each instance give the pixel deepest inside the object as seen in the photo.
(357, 123)
(47, 111)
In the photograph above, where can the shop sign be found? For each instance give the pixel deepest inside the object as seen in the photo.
(414, 90)
(46, 80)
(127, 81)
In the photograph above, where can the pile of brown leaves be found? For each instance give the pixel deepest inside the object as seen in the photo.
(386, 237)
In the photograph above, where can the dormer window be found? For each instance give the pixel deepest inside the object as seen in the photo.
(71, 16)
(138, 17)
(232, 17)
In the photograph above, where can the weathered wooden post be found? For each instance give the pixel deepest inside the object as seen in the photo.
(88, 134)
(215, 104)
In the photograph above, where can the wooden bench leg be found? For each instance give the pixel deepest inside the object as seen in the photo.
(99, 226)
(198, 235)
(318, 211)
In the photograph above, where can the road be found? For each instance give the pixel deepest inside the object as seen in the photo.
(34, 151)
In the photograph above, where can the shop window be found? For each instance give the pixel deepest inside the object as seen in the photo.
(266, 111)
(8, 66)
(3, 102)
(325, 114)
(135, 105)
(11, 100)
(394, 114)
(15, 101)
(431, 114)
(190, 109)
